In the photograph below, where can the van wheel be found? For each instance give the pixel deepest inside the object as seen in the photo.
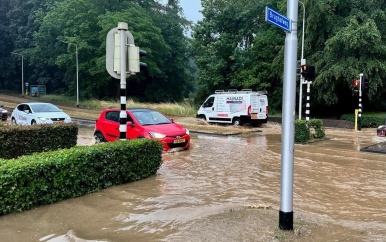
(33, 122)
(236, 121)
(202, 117)
(14, 121)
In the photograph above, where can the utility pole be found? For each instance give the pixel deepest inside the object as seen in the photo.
(22, 72)
(77, 72)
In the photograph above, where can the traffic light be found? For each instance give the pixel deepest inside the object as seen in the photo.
(365, 83)
(308, 72)
(142, 53)
(355, 84)
(304, 71)
(311, 73)
(134, 54)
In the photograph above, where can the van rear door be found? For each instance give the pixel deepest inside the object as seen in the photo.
(259, 107)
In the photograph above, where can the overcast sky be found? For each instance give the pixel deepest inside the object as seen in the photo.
(191, 9)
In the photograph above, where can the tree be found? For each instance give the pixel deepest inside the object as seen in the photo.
(345, 38)
(232, 43)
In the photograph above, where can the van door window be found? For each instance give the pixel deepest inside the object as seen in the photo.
(208, 103)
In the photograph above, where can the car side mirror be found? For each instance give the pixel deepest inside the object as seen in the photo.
(27, 111)
(129, 123)
(172, 119)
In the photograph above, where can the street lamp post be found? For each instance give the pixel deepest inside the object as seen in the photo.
(77, 72)
(302, 62)
(22, 72)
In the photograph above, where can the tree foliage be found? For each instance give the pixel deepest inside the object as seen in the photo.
(49, 33)
(232, 47)
(236, 48)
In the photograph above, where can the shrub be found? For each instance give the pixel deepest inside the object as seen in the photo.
(367, 120)
(49, 177)
(316, 125)
(302, 132)
(19, 140)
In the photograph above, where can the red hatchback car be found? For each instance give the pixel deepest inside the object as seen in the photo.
(142, 123)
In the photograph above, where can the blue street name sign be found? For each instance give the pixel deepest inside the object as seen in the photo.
(277, 19)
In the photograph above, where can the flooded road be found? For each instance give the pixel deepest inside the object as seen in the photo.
(227, 188)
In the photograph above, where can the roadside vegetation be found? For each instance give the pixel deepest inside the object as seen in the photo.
(184, 108)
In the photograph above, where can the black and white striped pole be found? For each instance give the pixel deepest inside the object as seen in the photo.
(308, 101)
(123, 27)
(360, 102)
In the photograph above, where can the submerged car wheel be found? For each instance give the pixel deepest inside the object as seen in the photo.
(99, 138)
(33, 122)
(14, 121)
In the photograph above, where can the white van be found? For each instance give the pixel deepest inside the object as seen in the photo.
(235, 107)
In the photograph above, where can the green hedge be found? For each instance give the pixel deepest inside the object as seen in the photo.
(367, 120)
(49, 177)
(305, 132)
(302, 132)
(317, 128)
(17, 140)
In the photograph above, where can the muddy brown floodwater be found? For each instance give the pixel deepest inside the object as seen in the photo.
(227, 188)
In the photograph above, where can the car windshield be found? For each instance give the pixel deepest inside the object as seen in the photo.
(44, 107)
(150, 117)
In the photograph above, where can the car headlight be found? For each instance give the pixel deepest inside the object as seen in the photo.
(4, 111)
(157, 135)
(68, 118)
(43, 119)
(187, 131)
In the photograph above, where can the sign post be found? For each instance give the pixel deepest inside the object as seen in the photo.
(289, 98)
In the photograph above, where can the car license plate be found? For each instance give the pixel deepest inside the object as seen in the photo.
(178, 141)
(253, 115)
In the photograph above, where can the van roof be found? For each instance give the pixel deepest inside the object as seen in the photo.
(243, 91)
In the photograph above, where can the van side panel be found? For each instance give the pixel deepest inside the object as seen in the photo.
(226, 107)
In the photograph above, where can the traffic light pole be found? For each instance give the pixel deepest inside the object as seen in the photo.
(302, 81)
(308, 101)
(360, 102)
(123, 27)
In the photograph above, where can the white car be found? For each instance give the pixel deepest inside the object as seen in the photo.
(38, 113)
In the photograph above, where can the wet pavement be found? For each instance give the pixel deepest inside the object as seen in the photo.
(227, 188)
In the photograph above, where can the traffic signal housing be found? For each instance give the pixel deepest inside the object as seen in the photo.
(365, 83)
(304, 71)
(308, 72)
(355, 84)
(134, 53)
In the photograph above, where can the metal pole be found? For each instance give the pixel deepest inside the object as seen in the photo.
(360, 103)
(77, 77)
(22, 72)
(303, 62)
(123, 27)
(288, 126)
(308, 101)
(77, 72)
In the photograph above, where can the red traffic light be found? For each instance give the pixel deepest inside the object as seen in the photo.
(355, 83)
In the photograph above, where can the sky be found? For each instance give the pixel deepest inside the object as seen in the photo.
(192, 9)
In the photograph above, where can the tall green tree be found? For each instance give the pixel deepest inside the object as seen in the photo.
(6, 75)
(235, 48)
(86, 24)
(345, 38)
